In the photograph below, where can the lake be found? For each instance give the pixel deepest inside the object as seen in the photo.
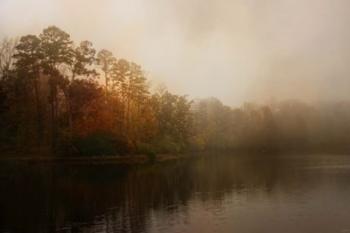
(219, 193)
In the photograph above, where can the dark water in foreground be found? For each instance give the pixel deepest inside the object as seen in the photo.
(244, 194)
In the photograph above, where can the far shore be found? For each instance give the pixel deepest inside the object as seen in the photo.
(135, 159)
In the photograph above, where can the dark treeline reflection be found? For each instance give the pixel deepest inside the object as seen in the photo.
(83, 198)
(45, 199)
(62, 97)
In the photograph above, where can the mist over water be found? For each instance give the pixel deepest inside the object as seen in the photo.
(222, 193)
(237, 51)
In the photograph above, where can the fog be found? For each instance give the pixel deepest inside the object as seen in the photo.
(237, 51)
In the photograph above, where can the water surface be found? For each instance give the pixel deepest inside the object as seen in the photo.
(231, 193)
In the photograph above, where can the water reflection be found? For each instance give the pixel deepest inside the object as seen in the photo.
(212, 194)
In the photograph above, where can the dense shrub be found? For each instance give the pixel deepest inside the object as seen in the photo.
(98, 144)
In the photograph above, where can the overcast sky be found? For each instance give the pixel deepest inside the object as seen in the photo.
(236, 50)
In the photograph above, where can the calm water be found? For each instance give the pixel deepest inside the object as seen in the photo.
(301, 193)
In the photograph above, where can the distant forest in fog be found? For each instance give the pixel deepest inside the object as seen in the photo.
(59, 97)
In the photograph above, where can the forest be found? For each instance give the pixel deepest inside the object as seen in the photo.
(61, 98)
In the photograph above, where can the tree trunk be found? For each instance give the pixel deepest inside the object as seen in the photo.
(70, 115)
(38, 113)
(53, 106)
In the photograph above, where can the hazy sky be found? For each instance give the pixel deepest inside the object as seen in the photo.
(236, 50)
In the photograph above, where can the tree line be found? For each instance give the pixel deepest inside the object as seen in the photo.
(59, 97)
(289, 125)
(53, 100)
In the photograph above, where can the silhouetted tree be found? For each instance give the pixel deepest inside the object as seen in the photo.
(28, 65)
(105, 59)
(57, 51)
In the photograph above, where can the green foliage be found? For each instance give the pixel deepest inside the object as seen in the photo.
(167, 144)
(148, 150)
(97, 144)
(152, 157)
(145, 148)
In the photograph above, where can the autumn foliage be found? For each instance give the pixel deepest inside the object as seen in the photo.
(62, 98)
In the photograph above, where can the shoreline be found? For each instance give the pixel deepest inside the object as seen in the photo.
(127, 160)
(139, 159)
